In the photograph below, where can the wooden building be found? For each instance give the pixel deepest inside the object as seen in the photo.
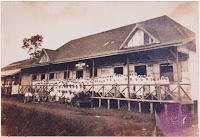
(12, 76)
(157, 47)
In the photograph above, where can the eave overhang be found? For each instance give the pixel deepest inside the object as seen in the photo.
(118, 52)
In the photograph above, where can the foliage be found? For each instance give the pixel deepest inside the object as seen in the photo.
(33, 45)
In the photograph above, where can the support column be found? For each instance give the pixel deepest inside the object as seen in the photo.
(140, 107)
(175, 55)
(166, 111)
(151, 107)
(92, 77)
(103, 94)
(180, 108)
(118, 104)
(192, 109)
(178, 74)
(127, 62)
(99, 102)
(67, 72)
(92, 104)
(129, 106)
(108, 103)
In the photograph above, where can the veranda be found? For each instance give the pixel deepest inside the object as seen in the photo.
(164, 85)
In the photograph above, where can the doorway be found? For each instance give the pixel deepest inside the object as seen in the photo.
(79, 74)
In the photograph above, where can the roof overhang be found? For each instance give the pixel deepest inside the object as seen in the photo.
(121, 51)
(10, 72)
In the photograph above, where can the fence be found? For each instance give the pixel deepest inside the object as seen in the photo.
(132, 92)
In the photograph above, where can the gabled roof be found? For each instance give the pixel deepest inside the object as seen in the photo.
(163, 28)
(50, 53)
(132, 33)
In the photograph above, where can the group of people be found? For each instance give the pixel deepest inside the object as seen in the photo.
(49, 95)
(65, 90)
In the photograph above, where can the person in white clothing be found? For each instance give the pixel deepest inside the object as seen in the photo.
(27, 97)
(58, 95)
(52, 96)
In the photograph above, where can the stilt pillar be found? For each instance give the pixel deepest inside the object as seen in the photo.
(166, 111)
(151, 107)
(108, 103)
(180, 108)
(99, 103)
(192, 109)
(118, 104)
(140, 107)
(129, 106)
(92, 104)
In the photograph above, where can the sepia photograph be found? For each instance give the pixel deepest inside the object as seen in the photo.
(100, 68)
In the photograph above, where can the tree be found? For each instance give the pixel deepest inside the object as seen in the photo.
(33, 45)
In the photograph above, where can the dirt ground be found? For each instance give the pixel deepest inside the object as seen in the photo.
(45, 119)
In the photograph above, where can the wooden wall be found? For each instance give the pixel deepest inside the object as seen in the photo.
(26, 79)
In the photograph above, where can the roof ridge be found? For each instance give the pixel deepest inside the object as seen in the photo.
(110, 30)
(119, 27)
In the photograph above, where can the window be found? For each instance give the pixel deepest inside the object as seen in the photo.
(79, 74)
(118, 70)
(66, 75)
(166, 70)
(34, 77)
(141, 70)
(51, 76)
(42, 76)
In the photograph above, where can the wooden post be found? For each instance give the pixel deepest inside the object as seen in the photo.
(108, 103)
(143, 89)
(151, 107)
(178, 74)
(140, 107)
(129, 106)
(118, 104)
(103, 92)
(115, 91)
(180, 108)
(92, 77)
(166, 111)
(67, 72)
(92, 104)
(192, 109)
(99, 102)
(127, 62)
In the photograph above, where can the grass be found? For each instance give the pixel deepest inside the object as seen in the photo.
(53, 119)
(21, 121)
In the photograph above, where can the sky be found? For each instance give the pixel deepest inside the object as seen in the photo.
(60, 22)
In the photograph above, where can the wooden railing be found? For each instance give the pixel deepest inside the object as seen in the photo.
(134, 92)
(6, 90)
